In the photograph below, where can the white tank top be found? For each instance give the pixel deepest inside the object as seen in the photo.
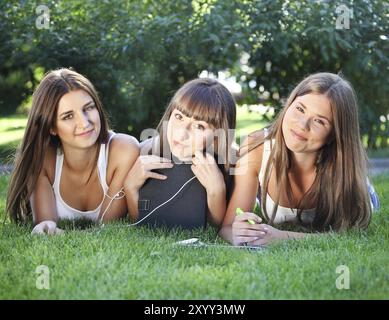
(283, 214)
(64, 211)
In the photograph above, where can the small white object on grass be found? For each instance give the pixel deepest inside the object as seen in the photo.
(46, 227)
(191, 241)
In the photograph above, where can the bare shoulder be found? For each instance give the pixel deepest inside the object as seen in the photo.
(251, 150)
(257, 135)
(123, 146)
(123, 152)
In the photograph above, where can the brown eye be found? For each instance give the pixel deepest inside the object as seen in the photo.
(89, 108)
(69, 116)
(300, 109)
(320, 121)
(178, 116)
(199, 127)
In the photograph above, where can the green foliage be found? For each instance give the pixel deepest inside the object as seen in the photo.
(290, 40)
(137, 53)
(11, 133)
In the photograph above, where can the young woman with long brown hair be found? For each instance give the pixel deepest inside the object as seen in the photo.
(69, 164)
(189, 157)
(308, 167)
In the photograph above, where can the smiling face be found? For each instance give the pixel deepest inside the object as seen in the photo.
(78, 120)
(187, 135)
(308, 123)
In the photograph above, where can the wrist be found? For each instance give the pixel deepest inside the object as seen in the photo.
(285, 235)
(290, 235)
(216, 190)
(131, 189)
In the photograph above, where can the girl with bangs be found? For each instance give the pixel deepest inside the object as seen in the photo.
(181, 178)
(69, 165)
(308, 167)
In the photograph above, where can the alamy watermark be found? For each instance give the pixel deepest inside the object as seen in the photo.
(43, 19)
(344, 16)
(43, 279)
(343, 281)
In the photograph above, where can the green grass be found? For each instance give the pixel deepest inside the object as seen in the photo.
(248, 121)
(120, 262)
(11, 133)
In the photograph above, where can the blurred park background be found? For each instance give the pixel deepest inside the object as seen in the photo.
(137, 53)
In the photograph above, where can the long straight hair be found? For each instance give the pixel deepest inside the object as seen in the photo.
(340, 187)
(206, 100)
(37, 138)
